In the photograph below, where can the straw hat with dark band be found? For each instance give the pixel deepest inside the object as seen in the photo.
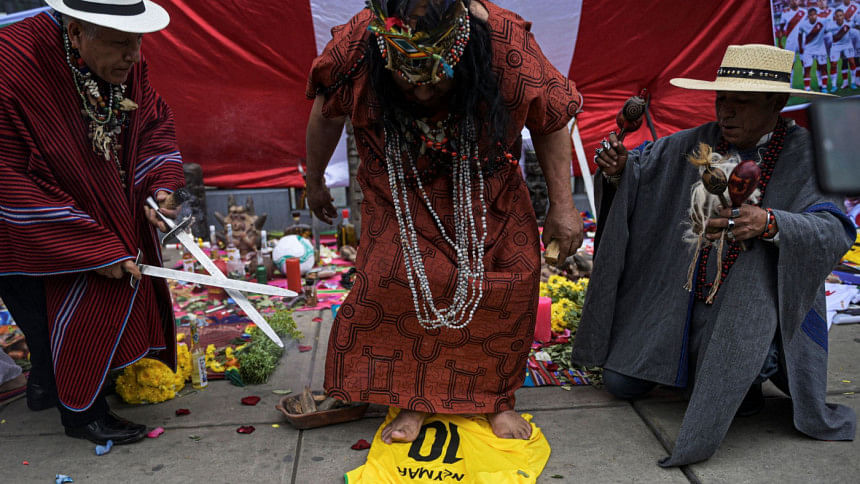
(134, 16)
(752, 68)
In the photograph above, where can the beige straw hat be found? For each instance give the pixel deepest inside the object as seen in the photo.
(751, 68)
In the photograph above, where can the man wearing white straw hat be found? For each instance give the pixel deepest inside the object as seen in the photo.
(84, 140)
(693, 291)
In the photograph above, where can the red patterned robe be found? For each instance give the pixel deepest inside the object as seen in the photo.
(64, 212)
(377, 350)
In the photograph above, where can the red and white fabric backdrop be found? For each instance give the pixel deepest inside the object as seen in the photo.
(234, 71)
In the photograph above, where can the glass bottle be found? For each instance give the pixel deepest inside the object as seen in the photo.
(235, 266)
(346, 232)
(298, 228)
(213, 243)
(187, 261)
(199, 379)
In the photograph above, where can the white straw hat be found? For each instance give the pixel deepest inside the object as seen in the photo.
(751, 68)
(134, 16)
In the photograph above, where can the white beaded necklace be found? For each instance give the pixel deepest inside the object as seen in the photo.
(468, 243)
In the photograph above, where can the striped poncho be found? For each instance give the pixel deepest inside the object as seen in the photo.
(64, 211)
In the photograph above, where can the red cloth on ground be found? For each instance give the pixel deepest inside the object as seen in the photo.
(377, 350)
(63, 211)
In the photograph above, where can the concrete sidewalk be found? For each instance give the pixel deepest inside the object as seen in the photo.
(594, 437)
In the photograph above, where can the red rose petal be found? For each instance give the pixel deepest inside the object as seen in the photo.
(252, 400)
(246, 429)
(552, 366)
(304, 348)
(360, 445)
(182, 411)
(317, 320)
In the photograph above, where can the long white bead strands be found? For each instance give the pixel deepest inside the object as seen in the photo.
(467, 243)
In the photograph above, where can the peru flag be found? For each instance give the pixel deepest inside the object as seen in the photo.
(234, 72)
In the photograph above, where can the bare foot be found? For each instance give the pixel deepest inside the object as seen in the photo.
(510, 425)
(404, 427)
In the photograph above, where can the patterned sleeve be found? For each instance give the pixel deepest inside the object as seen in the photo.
(159, 162)
(334, 72)
(537, 94)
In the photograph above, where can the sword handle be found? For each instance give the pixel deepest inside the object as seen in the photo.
(154, 205)
(131, 281)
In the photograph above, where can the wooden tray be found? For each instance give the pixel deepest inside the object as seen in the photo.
(353, 411)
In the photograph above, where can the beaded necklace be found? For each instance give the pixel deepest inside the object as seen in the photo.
(470, 230)
(767, 165)
(438, 142)
(107, 114)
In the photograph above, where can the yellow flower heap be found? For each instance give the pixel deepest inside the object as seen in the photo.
(567, 300)
(211, 362)
(151, 381)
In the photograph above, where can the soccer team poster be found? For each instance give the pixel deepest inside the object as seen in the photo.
(825, 35)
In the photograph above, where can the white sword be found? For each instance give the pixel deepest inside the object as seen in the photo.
(188, 242)
(164, 273)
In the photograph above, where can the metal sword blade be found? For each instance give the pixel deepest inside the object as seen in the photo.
(243, 286)
(188, 242)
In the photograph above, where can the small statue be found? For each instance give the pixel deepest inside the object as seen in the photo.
(246, 225)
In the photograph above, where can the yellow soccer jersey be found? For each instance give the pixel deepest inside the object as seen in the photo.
(454, 449)
(853, 254)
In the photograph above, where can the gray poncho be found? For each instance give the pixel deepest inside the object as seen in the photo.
(636, 319)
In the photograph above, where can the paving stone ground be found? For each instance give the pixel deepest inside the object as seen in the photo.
(594, 437)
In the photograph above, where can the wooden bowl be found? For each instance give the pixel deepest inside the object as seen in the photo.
(352, 411)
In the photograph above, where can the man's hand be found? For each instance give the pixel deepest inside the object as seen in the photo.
(751, 223)
(563, 222)
(321, 139)
(564, 225)
(160, 198)
(319, 200)
(612, 160)
(118, 270)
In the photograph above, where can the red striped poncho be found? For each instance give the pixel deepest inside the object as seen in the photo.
(64, 212)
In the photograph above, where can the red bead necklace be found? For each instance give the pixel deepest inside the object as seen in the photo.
(768, 163)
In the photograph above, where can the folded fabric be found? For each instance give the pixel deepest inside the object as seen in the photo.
(12, 393)
(14, 386)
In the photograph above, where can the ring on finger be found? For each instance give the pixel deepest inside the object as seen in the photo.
(736, 212)
(606, 145)
(730, 235)
(731, 226)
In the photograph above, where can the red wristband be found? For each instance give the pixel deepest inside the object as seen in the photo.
(770, 229)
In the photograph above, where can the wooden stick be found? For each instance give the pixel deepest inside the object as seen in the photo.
(551, 253)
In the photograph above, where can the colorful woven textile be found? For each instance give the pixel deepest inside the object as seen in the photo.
(538, 375)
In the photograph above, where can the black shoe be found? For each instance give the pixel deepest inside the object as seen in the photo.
(753, 402)
(99, 432)
(116, 422)
(40, 397)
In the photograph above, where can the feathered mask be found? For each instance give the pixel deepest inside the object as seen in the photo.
(421, 57)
